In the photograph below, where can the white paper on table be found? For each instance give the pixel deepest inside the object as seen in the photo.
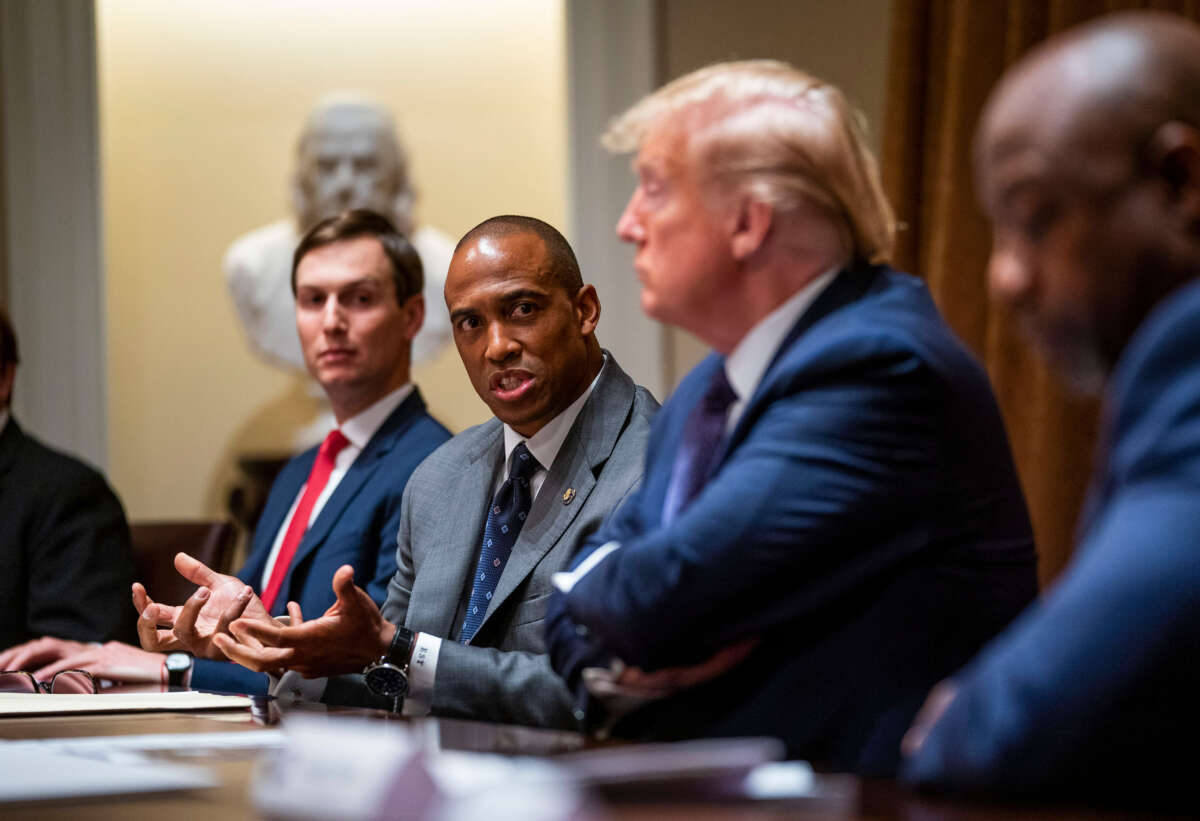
(127, 747)
(27, 704)
(30, 774)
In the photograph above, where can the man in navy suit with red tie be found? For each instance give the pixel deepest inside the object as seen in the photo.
(358, 296)
(829, 519)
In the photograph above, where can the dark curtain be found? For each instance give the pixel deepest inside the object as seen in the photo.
(946, 55)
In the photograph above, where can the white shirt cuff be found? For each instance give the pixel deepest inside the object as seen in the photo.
(565, 580)
(422, 672)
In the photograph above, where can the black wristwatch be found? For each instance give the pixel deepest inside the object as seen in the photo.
(388, 677)
(178, 665)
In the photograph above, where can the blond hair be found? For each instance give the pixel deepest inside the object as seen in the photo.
(780, 134)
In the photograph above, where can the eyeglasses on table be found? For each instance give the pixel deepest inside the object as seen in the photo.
(76, 682)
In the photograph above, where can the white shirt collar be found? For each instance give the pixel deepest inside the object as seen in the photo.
(362, 426)
(546, 443)
(748, 361)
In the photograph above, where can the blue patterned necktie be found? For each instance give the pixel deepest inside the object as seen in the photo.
(505, 518)
(698, 446)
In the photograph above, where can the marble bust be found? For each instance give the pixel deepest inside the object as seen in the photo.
(348, 156)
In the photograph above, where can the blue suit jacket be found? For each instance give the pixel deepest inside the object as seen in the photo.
(864, 521)
(1097, 686)
(357, 526)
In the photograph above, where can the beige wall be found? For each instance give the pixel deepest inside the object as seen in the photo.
(200, 104)
(844, 42)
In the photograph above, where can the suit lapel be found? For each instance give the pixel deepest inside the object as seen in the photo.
(848, 287)
(548, 519)
(585, 450)
(283, 494)
(445, 575)
(362, 468)
(668, 431)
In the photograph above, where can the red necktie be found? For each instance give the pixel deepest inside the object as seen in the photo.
(318, 477)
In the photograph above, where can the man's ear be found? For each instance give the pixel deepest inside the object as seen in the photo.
(587, 309)
(414, 315)
(1175, 154)
(752, 224)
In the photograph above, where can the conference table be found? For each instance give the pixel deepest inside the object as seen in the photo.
(235, 770)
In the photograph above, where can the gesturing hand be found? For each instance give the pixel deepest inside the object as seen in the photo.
(206, 614)
(155, 622)
(348, 636)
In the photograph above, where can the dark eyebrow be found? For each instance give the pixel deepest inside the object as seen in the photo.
(523, 293)
(363, 282)
(459, 313)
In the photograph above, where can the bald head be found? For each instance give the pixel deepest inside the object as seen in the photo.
(1088, 163)
(560, 259)
(1100, 90)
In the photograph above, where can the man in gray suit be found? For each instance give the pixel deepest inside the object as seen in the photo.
(490, 516)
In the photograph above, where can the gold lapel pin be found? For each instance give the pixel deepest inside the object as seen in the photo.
(568, 495)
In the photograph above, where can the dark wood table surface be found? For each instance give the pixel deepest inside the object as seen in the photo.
(234, 769)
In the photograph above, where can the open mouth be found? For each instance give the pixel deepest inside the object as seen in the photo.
(508, 386)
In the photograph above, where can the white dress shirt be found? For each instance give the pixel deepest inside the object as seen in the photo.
(545, 446)
(748, 361)
(358, 430)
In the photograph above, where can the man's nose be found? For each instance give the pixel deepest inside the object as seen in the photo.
(629, 228)
(500, 344)
(333, 318)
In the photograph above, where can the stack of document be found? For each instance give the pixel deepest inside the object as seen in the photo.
(70, 768)
(30, 704)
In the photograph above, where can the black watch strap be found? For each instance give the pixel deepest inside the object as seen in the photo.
(401, 647)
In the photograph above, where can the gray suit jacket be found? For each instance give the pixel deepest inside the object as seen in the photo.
(504, 674)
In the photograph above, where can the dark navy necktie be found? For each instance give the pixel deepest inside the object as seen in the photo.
(698, 446)
(505, 518)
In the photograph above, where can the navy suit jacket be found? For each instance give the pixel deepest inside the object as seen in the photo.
(864, 521)
(1097, 686)
(357, 526)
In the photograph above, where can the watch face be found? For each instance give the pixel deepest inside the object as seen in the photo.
(387, 680)
(178, 661)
